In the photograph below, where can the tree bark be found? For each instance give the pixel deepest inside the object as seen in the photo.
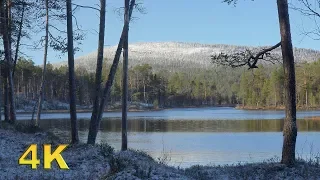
(43, 80)
(72, 86)
(306, 98)
(290, 127)
(110, 80)
(33, 112)
(6, 100)
(8, 57)
(18, 41)
(93, 122)
(144, 92)
(0, 94)
(124, 145)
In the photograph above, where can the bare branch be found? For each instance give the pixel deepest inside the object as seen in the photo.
(244, 58)
(307, 9)
(82, 6)
(310, 10)
(137, 7)
(57, 29)
(76, 22)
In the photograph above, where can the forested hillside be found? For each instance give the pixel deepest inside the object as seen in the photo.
(175, 56)
(162, 87)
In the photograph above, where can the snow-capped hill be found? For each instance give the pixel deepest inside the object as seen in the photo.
(179, 55)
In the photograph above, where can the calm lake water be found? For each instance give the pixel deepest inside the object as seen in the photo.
(203, 136)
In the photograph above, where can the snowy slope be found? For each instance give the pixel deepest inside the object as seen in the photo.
(178, 55)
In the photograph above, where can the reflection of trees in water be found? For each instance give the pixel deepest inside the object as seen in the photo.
(146, 125)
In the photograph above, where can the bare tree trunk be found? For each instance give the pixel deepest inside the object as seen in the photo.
(33, 112)
(306, 97)
(6, 100)
(9, 29)
(72, 86)
(111, 76)
(18, 41)
(0, 95)
(18, 86)
(24, 84)
(5, 74)
(51, 91)
(93, 122)
(43, 80)
(242, 102)
(275, 97)
(144, 92)
(124, 145)
(290, 127)
(7, 50)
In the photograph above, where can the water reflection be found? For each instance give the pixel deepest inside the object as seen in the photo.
(191, 142)
(145, 125)
(210, 113)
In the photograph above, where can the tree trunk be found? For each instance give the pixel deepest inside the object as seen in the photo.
(275, 98)
(6, 100)
(8, 57)
(18, 41)
(306, 98)
(24, 84)
(290, 127)
(124, 145)
(18, 86)
(93, 122)
(43, 80)
(111, 76)
(33, 112)
(144, 92)
(72, 86)
(0, 95)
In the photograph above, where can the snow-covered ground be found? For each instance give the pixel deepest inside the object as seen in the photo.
(85, 162)
(173, 56)
(27, 105)
(24, 105)
(101, 162)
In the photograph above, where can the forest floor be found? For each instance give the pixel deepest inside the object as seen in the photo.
(102, 162)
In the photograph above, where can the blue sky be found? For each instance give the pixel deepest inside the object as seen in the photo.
(251, 23)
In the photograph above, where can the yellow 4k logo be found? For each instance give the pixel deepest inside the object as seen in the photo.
(48, 157)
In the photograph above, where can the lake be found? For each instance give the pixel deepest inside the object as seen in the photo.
(206, 136)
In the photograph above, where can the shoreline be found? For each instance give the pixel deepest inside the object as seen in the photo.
(87, 111)
(275, 108)
(102, 162)
(250, 108)
(119, 110)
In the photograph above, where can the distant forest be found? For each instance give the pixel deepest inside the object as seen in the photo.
(220, 86)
